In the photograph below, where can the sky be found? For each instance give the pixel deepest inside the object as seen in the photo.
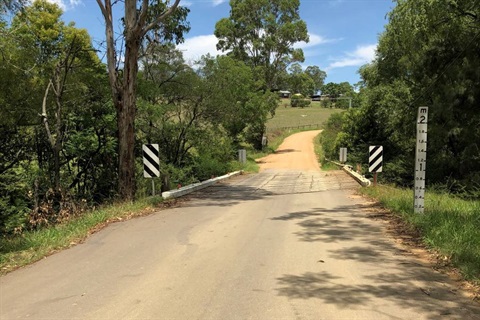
(343, 33)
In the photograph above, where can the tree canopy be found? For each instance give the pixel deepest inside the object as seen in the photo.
(427, 56)
(262, 33)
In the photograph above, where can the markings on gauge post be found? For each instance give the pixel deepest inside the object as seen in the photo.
(420, 160)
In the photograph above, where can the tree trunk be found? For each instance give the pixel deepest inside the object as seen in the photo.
(124, 92)
(126, 110)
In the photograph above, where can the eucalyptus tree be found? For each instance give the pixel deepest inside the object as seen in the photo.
(300, 81)
(317, 75)
(262, 33)
(141, 18)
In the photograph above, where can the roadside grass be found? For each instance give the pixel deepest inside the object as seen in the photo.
(450, 226)
(32, 246)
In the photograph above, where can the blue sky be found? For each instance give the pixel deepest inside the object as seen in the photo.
(343, 33)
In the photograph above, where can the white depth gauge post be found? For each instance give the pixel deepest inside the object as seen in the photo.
(421, 160)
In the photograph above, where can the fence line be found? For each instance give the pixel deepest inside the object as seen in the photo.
(305, 126)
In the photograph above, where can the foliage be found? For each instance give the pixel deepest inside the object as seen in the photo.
(427, 56)
(328, 138)
(300, 101)
(318, 76)
(300, 81)
(262, 33)
(185, 111)
(67, 150)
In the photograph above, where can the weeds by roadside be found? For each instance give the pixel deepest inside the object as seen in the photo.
(31, 246)
(450, 226)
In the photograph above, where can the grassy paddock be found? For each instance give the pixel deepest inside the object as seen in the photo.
(31, 246)
(286, 116)
(450, 225)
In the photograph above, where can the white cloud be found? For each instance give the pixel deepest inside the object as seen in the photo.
(66, 4)
(361, 56)
(217, 2)
(186, 3)
(193, 48)
(315, 40)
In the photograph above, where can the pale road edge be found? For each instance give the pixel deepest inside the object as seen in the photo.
(358, 177)
(197, 186)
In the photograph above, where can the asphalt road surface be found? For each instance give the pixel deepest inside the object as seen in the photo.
(289, 243)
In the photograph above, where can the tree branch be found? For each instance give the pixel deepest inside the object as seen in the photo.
(44, 115)
(103, 9)
(160, 18)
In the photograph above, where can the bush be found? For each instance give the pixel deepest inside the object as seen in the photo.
(207, 166)
(15, 203)
(299, 100)
(330, 136)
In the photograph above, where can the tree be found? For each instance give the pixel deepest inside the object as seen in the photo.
(427, 56)
(11, 5)
(318, 76)
(54, 129)
(262, 33)
(150, 16)
(300, 81)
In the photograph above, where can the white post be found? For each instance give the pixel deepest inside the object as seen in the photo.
(420, 160)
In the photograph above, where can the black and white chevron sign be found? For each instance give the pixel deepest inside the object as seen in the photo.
(151, 161)
(375, 160)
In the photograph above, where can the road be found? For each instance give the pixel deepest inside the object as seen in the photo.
(291, 242)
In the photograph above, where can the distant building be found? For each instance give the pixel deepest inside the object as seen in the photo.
(284, 94)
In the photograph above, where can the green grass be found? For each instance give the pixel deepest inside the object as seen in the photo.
(31, 246)
(449, 225)
(326, 165)
(286, 116)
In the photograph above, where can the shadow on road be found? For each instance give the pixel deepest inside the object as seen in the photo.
(330, 225)
(386, 272)
(286, 151)
(434, 302)
(226, 195)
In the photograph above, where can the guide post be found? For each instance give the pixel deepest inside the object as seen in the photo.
(420, 160)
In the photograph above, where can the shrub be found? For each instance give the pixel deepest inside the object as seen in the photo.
(299, 100)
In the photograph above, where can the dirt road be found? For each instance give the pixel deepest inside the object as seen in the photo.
(289, 243)
(295, 153)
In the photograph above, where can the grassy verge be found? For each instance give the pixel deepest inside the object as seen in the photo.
(449, 225)
(31, 246)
